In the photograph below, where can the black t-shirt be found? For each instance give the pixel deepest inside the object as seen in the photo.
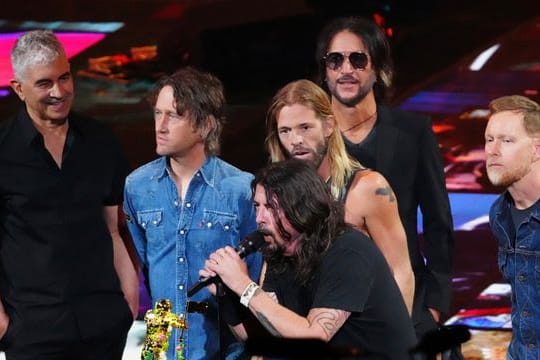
(519, 215)
(366, 150)
(354, 276)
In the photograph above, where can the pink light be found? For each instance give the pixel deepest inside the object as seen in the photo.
(74, 43)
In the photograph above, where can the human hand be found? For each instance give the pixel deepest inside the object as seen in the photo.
(4, 324)
(134, 307)
(206, 273)
(232, 270)
(435, 313)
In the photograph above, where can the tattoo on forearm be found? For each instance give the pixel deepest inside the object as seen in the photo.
(330, 320)
(267, 325)
(387, 191)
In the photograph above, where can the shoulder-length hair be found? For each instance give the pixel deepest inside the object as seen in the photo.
(308, 94)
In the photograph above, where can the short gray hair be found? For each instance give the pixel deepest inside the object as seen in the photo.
(35, 47)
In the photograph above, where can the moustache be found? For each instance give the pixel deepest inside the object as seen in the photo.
(298, 149)
(265, 231)
(54, 101)
(347, 78)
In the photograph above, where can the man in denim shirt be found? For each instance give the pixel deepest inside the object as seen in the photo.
(513, 162)
(188, 203)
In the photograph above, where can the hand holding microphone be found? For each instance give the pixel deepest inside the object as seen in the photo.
(226, 263)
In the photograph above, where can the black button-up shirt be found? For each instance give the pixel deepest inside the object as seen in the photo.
(56, 252)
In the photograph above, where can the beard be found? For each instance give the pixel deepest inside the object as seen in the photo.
(363, 91)
(317, 155)
(507, 177)
(276, 259)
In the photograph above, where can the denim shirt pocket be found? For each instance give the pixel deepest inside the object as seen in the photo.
(152, 223)
(220, 225)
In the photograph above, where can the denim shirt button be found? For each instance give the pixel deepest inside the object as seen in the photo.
(522, 277)
(175, 203)
(226, 227)
(188, 205)
(180, 259)
(525, 313)
(532, 345)
(182, 232)
(209, 225)
(180, 287)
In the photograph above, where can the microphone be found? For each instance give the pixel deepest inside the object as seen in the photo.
(249, 244)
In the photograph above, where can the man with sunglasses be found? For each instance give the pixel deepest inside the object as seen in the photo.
(356, 68)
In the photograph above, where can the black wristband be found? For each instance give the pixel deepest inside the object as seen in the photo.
(230, 309)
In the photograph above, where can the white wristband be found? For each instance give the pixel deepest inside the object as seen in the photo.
(248, 293)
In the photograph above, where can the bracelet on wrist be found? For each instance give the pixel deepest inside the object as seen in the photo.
(248, 293)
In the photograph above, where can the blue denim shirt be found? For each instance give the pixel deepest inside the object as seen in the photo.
(519, 262)
(173, 238)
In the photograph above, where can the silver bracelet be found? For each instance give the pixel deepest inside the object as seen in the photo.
(248, 293)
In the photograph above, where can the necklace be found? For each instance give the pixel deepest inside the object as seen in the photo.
(361, 122)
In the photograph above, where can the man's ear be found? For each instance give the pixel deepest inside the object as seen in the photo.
(330, 126)
(17, 88)
(536, 148)
(209, 125)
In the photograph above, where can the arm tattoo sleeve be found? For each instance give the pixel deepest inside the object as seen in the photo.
(387, 191)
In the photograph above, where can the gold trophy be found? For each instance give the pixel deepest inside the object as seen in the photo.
(159, 324)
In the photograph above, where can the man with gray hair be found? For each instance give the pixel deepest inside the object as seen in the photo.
(68, 286)
(512, 144)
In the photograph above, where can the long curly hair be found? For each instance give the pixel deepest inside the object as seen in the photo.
(294, 189)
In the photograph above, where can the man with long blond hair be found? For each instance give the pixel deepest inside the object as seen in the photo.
(300, 124)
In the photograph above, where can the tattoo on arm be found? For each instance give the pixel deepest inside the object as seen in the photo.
(267, 325)
(330, 320)
(387, 191)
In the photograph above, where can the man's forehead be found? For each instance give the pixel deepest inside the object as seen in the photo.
(260, 195)
(508, 122)
(346, 41)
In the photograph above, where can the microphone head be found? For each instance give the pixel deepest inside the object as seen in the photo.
(251, 243)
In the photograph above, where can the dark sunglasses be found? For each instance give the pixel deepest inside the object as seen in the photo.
(334, 60)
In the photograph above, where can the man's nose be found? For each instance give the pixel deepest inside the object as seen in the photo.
(56, 91)
(296, 138)
(161, 123)
(347, 67)
(260, 217)
(491, 149)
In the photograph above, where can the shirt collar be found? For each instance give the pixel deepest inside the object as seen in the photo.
(509, 202)
(29, 132)
(26, 127)
(207, 171)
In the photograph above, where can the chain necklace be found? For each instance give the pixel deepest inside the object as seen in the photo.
(361, 122)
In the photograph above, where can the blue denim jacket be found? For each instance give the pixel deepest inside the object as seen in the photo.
(173, 238)
(519, 262)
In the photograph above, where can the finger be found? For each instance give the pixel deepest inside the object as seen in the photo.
(215, 257)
